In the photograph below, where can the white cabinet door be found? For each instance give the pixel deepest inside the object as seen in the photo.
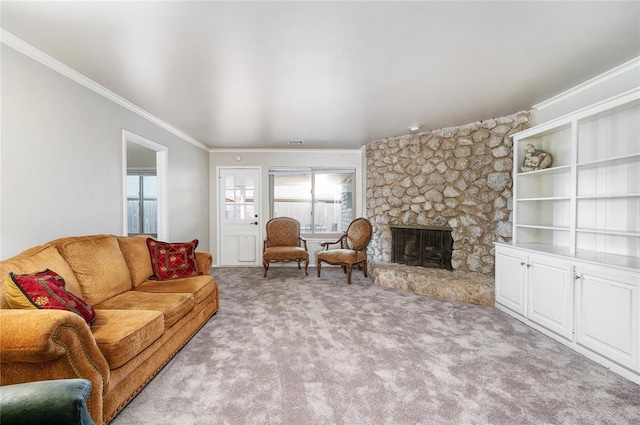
(511, 279)
(607, 320)
(550, 287)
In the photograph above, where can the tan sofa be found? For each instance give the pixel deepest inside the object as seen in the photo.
(140, 324)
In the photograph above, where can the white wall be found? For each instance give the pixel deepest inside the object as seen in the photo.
(61, 161)
(140, 158)
(282, 158)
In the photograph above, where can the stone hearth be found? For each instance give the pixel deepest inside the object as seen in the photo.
(457, 285)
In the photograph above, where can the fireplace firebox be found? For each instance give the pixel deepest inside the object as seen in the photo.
(424, 246)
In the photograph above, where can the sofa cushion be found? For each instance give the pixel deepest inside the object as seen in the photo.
(123, 334)
(172, 306)
(136, 254)
(173, 260)
(39, 258)
(46, 291)
(99, 266)
(199, 286)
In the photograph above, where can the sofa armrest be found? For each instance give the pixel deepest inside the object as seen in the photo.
(204, 260)
(40, 345)
(62, 401)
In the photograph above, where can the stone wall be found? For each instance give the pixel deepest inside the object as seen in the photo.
(458, 177)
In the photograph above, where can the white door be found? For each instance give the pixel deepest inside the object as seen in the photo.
(239, 209)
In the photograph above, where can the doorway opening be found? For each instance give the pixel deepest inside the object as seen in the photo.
(144, 187)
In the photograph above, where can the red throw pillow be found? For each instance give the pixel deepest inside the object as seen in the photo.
(46, 290)
(173, 260)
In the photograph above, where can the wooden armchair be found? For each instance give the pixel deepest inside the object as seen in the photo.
(283, 243)
(353, 248)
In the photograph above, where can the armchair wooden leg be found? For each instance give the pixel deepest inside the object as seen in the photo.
(318, 267)
(299, 268)
(364, 267)
(306, 267)
(349, 268)
(265, 264)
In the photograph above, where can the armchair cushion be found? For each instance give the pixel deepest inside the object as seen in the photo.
(342, 256)
(44, 290)
(61, 401)
(285, 253)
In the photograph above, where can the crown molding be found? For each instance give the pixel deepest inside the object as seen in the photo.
(38, 55)
(632, 65)
(280, 151)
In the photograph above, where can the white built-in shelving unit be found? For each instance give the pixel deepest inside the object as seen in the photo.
(588, 201)
(573, 267)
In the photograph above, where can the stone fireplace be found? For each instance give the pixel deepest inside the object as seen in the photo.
(457, 177)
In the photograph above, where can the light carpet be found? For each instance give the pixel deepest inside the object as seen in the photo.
(290, 349)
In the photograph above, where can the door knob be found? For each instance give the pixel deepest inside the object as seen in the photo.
(254, 222)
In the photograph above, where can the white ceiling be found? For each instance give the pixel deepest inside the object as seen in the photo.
(334, 74)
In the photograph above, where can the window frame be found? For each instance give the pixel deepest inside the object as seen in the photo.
(312, 172)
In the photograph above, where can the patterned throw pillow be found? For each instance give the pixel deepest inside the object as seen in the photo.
(173, 260)
(44, 290)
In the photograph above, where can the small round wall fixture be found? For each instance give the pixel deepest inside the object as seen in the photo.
(238, 158)
(414, 127)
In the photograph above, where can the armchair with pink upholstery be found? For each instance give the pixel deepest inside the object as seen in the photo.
(283, 243)
(353, 248)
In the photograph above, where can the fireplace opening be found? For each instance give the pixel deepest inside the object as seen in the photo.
(424, 246)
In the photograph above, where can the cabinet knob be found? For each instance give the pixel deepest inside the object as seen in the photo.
(577, 277)
(522, 263)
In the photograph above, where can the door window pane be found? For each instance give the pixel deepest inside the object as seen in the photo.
(239, 197)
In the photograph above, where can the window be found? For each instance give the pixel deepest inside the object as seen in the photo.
(320, 199)
(142, 203)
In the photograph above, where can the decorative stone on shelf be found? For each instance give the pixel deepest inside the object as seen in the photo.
(535, 159)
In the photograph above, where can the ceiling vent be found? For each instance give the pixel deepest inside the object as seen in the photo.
(296, 142)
